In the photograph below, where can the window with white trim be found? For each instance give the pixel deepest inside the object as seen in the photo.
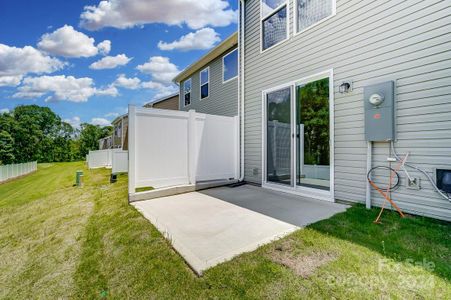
(187, 92)
(204, 83)
(310, 12)
(230, 66)
(274, 16)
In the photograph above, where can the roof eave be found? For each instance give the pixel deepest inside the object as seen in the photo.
(207, 58)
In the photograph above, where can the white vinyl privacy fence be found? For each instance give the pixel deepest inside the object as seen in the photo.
(170, 148)
(12, 171)
(116, 159)
(100, 158)
(119, 161)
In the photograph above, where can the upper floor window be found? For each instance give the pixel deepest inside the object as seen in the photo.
(118, 130)
(187, 91)
(204, 83)
(310, 12)
(230, 66)
(273, 22)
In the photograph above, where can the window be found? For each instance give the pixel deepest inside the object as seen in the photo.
(310, 12)
(230, 66)
(274, 22)
(187, 91)
(204, 83)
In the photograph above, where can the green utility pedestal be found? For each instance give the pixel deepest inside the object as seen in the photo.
(78, 178)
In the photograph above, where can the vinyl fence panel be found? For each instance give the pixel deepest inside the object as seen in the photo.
(100, 158)
(217, 142)
(119, 162)
(159, 142)
(15, 170)
(170, 148)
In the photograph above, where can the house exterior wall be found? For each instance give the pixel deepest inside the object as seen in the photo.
(121, 127)
(170, 103)
(223, 97)
(106, 143)
(366, 42)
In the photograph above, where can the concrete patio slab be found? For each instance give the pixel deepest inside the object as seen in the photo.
(289, 208)
(206, 231)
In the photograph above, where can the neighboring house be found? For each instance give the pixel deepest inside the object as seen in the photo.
(168, 102)
(210, 85)
(306, 65)
(120, 128)
(106, 143)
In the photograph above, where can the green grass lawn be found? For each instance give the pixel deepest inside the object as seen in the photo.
(60, 241)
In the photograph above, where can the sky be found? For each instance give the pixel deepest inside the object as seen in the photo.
(87, 60)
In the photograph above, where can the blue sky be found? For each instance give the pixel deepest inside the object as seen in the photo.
(56, 71)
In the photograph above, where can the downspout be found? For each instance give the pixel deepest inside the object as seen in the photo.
(241, 86)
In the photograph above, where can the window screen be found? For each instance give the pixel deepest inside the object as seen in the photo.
(268, 6)
(312, 11)
(275, 28)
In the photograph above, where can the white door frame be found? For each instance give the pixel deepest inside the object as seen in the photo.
(293, 188)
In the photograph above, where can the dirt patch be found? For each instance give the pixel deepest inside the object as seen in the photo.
(302, 263)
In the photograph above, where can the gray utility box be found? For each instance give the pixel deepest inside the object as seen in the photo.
(379, 112)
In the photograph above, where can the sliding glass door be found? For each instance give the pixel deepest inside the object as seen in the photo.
(278, 137)
(298, 134)
(313, 135)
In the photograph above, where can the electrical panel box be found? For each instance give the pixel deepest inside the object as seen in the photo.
(379, 112)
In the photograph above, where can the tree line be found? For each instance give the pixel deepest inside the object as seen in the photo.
(35, 133)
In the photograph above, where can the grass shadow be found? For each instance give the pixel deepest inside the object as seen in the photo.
(415, 239)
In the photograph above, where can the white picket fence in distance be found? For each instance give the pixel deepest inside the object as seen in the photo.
(119, 162)
(170, 148)
(15, 170)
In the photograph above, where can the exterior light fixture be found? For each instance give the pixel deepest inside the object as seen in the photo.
(345, 87)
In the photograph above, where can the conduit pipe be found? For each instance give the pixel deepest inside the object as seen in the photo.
(369, 158)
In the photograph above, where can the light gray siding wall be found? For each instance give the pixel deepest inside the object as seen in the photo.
(223, 97)
(367, 42)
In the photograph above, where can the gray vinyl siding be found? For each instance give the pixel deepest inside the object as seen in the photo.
(223, 97)
(367, 42)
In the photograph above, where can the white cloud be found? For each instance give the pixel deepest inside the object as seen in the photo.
(61, 88)
(135, 83)
(160, 68)
(100, 122)
(152, 85)
(111, 90)
(104, 47)
(110, 62)
(161, 89)
(4, 111)
(165, 91)
(68, 42)
(202, 39)
(128, 83)
(112, 115)
(10, 80)
(20, 61)
(129, 13)
(74, 121)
